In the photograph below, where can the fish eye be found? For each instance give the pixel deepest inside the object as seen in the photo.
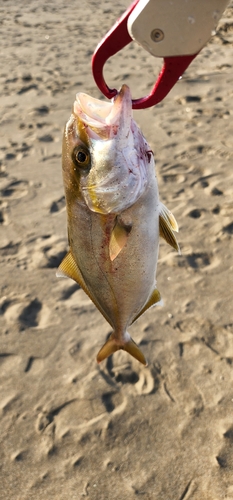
(81, 157)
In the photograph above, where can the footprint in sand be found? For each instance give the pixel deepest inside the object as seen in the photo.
(224, 457)
(201, 261)
(121, 372)
(228, 229)
(99, 406)
(58, 206)
(30, 315)
(42, 124)
(23, 149)
(44, 252)
(149, 381)
(196, 213)
(202, 181)
(19, 455)
(42, 110)
(216, 191)
(225, 232)
(144, 380)
(46, 138)
(9, 249)
(111, 401)
(198, 260)
(15, 190)
(26, 82)
(26, 88)
(24, 313)
(3, 213)
(188, 99)
(174, 178)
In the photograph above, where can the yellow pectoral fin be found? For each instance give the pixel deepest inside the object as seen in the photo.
(112, 346)
(69, 269)
(118, 239)
(154, 299)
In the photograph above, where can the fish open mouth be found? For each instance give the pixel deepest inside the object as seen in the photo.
(98, 114)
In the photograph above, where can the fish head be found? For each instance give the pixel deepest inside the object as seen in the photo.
(105, 156)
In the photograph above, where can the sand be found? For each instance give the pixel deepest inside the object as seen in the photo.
(70, 428)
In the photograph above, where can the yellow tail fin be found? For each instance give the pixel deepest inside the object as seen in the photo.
(112, 346)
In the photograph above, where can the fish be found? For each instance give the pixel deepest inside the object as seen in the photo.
(114, 215)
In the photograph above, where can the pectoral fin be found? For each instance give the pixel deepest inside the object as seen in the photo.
(167, 226)
(69, 269)
(112, 346)
(155, 298)
(169, 217)
(118, 239)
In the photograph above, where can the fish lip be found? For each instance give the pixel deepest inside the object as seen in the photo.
(124, 93)
(100, 115)
(90, 109)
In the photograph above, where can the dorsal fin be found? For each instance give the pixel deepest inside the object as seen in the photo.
(69, 269)
(167, 226)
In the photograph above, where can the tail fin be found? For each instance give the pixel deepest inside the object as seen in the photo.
(112, 346)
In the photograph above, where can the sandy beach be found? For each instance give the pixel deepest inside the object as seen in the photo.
(70, 428)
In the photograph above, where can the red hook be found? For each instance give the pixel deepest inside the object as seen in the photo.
(115, 40)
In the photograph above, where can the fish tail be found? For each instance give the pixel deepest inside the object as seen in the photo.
(112, 345)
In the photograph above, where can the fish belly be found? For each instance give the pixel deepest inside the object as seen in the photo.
(121, 287)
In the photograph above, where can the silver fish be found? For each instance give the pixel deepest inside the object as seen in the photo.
(114, 214)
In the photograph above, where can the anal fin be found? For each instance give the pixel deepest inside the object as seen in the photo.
(154, 299)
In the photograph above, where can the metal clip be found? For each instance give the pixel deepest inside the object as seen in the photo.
(176, 31)
(114, 41)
